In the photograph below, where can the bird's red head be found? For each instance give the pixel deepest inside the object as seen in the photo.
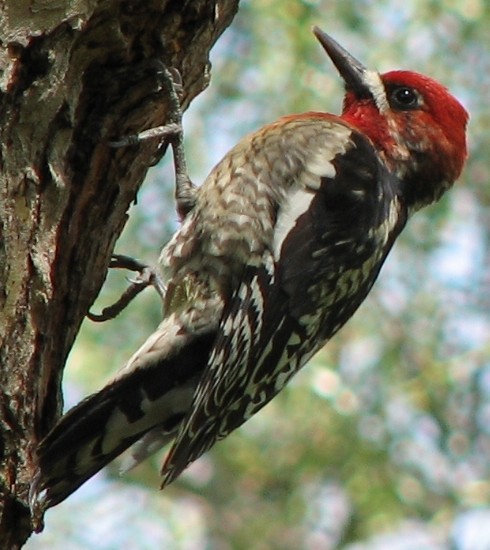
(418, 127)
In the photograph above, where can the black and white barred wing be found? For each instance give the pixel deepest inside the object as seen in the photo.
(242, 371)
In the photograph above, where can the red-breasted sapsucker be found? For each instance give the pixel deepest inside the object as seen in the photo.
(280, 246)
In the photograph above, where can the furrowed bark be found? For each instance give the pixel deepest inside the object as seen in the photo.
(73, 76)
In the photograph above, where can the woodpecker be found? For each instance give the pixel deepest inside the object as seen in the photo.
(276, 251)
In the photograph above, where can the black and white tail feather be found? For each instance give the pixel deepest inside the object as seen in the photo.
(143, 406)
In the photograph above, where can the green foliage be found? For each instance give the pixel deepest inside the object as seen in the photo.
(390, 422)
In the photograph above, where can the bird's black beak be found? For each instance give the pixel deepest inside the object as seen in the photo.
(351, 70)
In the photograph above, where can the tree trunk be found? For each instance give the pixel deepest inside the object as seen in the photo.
(74, 75)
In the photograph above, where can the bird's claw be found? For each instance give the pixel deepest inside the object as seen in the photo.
(147, 277)
(185, 190)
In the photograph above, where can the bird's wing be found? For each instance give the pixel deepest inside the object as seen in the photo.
(330, 240)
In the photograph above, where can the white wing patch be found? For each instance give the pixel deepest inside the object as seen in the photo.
(321, 165)
(298, 202)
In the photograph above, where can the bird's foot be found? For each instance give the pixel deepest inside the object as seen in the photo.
(172, 133)
(147, 276)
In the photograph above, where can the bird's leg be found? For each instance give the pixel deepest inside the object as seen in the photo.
(184, 193)
(146, 276)
(185, 190)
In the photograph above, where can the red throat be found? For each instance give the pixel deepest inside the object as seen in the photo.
(364, 115)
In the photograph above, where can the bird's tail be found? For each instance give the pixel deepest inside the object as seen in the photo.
(147, 398)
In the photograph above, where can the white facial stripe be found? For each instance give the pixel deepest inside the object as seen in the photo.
(376, 87)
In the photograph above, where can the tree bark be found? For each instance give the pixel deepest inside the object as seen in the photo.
(75, 75)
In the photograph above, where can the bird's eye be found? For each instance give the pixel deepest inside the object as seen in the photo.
(404, 98)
